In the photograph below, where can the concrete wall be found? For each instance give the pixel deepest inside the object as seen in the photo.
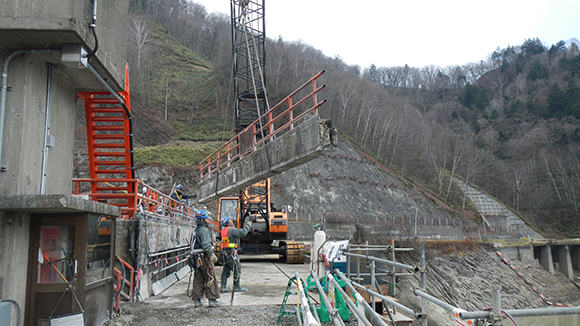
(155, 235)
(45, 24)
(24, 130)
(14, 229)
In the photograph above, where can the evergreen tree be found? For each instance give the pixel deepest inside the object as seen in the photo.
(532, 47)
(475, 97)
(538, 71)
(557, 103)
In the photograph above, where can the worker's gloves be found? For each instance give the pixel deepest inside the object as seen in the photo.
(213, 258)
(248, 224)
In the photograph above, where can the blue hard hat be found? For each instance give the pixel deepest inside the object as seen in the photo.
(179, 187)
(201, 214)
(225, 221)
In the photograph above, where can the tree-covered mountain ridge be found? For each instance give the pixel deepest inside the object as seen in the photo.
(508, 123)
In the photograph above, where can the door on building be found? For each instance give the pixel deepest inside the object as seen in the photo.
(55, 270)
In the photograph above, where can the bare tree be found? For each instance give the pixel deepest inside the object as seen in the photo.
(141, 35)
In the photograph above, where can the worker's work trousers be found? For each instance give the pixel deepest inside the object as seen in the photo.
(205, 282)
(232, 264)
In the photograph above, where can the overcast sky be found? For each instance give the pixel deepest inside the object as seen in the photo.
(418, 33)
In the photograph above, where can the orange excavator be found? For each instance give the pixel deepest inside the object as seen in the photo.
(269, 233)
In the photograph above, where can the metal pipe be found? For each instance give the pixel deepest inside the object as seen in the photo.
(373, 284)
(331, 310)
(348, 261)
(349, 302)
(388, 262)
(388, 248)
(436, 301)
(423, 282)
(496, 299)
(303, 306)
(168, 251)
(405, 309)
(369, 246)
(394, 271)
(169, 266)
(524, 312)
(109, 89)
(46, 128)
(370, 309)
(3, 90)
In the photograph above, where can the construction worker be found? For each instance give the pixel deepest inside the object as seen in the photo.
(178, 194)
(205, 282)
(230, 234)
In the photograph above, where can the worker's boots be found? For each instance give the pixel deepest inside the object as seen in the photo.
(214, 303)
(237, 287)
(197, 303)
(224, 287)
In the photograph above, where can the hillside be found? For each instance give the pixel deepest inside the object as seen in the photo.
(508, 123)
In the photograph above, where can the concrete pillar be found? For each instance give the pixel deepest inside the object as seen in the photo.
(575, 256)
(526, 255)
(565, 261)
(546, 258)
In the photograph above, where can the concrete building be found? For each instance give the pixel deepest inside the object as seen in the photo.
(53, 249)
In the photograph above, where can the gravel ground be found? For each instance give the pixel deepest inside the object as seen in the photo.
(265, 278)
(143, 314)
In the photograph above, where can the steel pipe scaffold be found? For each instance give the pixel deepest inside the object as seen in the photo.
(333, 312)
(414, 269)
(408, 311)
(359, 297)
(353, 306)
(434, 300)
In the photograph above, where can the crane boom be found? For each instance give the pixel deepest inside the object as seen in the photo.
(249, 61)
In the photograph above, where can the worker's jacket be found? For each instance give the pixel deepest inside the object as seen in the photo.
(176, 195)
(231, 234)
(203, 235)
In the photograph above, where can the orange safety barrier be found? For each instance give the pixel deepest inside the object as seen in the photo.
(131, 283)
(266, 128)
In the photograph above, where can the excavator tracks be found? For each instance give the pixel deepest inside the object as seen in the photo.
(294, 252)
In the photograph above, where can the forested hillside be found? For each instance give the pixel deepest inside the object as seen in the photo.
(508, 123)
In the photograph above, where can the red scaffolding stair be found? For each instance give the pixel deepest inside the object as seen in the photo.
(110, 148)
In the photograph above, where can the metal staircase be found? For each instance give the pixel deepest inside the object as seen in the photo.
(110, 148)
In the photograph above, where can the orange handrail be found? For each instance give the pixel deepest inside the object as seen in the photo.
(148, 201)
(265, 129)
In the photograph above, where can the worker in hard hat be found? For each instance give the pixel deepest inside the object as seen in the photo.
(204, 282)
(178, 194)
(230, 235)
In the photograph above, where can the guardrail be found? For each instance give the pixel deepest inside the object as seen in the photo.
(144, 200)
(270, 125)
